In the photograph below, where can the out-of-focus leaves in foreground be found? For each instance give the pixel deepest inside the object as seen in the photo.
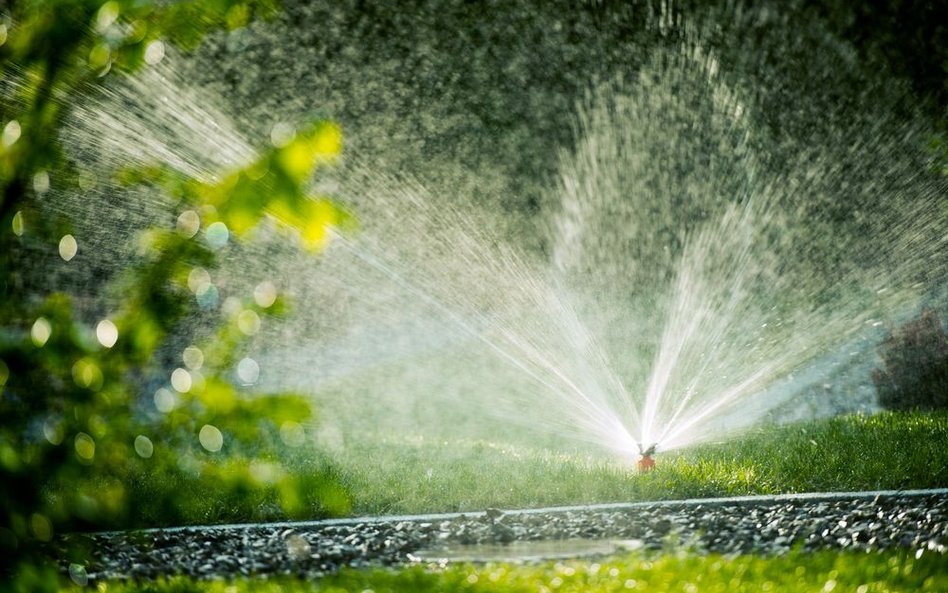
(74, 452)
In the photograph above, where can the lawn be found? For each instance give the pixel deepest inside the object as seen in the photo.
(890, 572)
(390, 476)
(884, 451)
(375, 475)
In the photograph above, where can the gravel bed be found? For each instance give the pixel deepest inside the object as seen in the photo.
(916, 521)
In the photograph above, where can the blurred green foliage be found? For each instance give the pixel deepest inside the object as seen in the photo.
(81, 442)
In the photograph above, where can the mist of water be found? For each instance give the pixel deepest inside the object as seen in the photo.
(692, 257)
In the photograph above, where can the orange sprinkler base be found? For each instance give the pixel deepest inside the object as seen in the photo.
(646, 464)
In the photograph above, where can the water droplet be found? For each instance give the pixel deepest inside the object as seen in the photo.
(217, 235)
(189, 222)
(68, 247)
(144, 446)
(248, 371)
(165, 400)
(154, 52)
(265, 294)
(85, 447)
(11, 133)
(40, 332)
(181, 380)
(211, 438)
(248, 322)
(106, 333)
(193, 357)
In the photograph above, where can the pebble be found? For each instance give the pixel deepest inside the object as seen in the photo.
(315, 549)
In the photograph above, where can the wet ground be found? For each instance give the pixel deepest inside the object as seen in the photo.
(916, 520)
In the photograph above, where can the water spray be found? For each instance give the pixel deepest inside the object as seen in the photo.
(646, 459)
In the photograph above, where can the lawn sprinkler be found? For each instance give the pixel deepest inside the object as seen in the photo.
(646, 461)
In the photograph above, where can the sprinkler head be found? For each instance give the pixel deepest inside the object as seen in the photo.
(646, 461)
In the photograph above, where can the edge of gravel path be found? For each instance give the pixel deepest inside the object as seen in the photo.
(611, 506)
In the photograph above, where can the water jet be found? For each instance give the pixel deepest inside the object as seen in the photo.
(705, 224)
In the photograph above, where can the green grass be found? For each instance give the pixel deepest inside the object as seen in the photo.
(892, 572)
(374, 475)
(885, 451)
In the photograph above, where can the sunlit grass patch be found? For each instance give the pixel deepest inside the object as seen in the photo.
(892, 572)
(405, 475)
(885, 451)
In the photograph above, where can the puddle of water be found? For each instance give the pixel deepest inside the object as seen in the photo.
(526, 551)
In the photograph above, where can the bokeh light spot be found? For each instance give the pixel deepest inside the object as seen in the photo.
(231, 306)
(211, 438)
(40, 332)
(53, 431)
(100, 57)
(42, 527)
(85, 447)
(208, 297)
(248, 371)
(4, 373)
(198, 280)
(106, 333)
(297, 548)
(193, 357)
(86, 180)
(189, 222)
(181, 380)
(265, 472)
(78, 574)
(217, 235)
(328, 143)
(17, 223)
(68, 247)
(11, 133)
(41, 182)
(86, 374)
(154, 52)
(265, 294)
(248, 322)
(144, 446)
(165, 400)
(197, 382)
(292, 434)
(107, 15)
(282, 134)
